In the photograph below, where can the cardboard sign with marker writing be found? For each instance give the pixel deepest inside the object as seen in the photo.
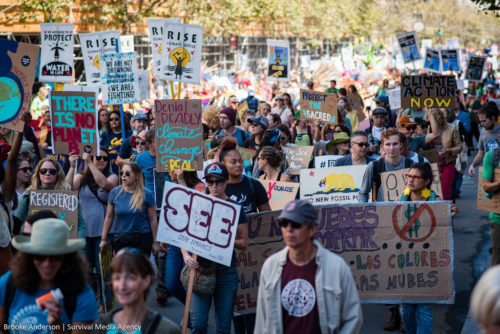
(280, 193)
(318, 106)
(394, 183)
(483, 202)
(74, 122)
(397, 252)
(357, 104)
(198, 223)
(241, 108)
(179, 135)
(63, 203)
(432, 91)
(297, 157)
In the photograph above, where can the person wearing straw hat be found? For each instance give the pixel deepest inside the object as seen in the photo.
(47, 261)
(339, 145)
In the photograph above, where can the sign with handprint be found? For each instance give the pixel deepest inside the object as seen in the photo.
(56, 60)
(155, 29)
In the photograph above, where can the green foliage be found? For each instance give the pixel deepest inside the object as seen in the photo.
(51, 10)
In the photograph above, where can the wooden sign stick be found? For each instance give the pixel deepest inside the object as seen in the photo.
(172, 89)
(188, 297)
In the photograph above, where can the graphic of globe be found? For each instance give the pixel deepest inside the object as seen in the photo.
(10, 99)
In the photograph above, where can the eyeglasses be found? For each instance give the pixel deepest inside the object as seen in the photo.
(413, 177)
(140, 143)
(42, 258)
(216, 182)
(114, 119)
(127, 173)
(26, 169)
(361, 144)
(284, 224)
(103, 158)
(52, 171)
(411, 127)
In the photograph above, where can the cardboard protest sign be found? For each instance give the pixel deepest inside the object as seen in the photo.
(485, 202)
(119, 78)
(408, 43)
(397, 252)
(155, 29)
(278, 60)
(127, 43)
(108, 296)
(432, 91)
(326, 161)
(17, 73)
(431, 155)
(93, 45)
(394, 183)
(449, 60)
(198, 223)
(179, 135)
(318, 106)
(241, 108)
(247, 156)
(74, 122)
(357, 104)
(432, 61)
(331, 185)
(56, 59)
(297, 157)
(144, 84)
(63, 203)
(475, 68)
(280, 193)
(181, 58)
(394, 98)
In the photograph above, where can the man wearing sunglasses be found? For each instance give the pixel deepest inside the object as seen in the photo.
(304, 288)
(359, 148)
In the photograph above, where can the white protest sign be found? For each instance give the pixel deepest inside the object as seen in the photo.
(93, 45)
(127, 43)
(453, 43)
(325, 161)
(56, 59)
(394, 98)
(198, 223)
(119, 78)
(144, 86)
(461, 84)
(181, 58)
(155, 28)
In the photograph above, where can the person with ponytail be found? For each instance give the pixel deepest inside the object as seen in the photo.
(269, 161)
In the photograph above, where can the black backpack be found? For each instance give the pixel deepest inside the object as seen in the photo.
(378, 168)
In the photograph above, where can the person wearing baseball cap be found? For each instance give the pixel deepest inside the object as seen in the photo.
(379, 116)
(293, 280)
(227, 118)
(382, 101)
(407, 125)
(258, 125)
(140, 122)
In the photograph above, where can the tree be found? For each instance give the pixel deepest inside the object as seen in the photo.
(52, 10)
(488, 5)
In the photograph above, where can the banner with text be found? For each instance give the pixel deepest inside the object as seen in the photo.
(127, 43)
(119, 78)
(155, 29)
(56, 58)
(408, 43)
(475, 68)
(278, 60)
(432, 91)
(297, 158)
(280, 193)
(318, 106)
(394, 98)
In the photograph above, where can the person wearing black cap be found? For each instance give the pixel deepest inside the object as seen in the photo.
(299, 286)
(258, 125)
(227, 120)
(375, 130)
(140, 123)
(383, 102)
(226, 281)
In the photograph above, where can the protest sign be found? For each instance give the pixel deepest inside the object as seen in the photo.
(18, 63)
(278, 60)
(280, 193)
(119, 78)
(63, 203)
(93, 45)
(326, 161)
(408, 43)
(74, 122)
(397, 252)
(247, 156)
(432, 61)
(357, 104)
(179, 135)
(155, 28)
(297, 157)
(394, 98)
(60, 158)
(449, 60)
(127, 43)
(394, 183)
(318, 106)
(241, 108)
(181, 58)
(198, 223)
(144, 85)
(331, 185)
(432, 91)
(56, 58)
(475, 68)
(453, 43)
(108, 297)
(485, 202)
(431, 155)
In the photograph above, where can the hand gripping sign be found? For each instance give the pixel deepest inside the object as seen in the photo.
(198, 223)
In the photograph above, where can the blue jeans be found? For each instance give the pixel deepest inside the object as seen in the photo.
(173, 267)
(226, 287)
(417, 318)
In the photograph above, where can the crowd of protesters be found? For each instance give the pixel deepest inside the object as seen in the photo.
(120, 196)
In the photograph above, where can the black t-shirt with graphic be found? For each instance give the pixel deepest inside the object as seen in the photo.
(250, 193)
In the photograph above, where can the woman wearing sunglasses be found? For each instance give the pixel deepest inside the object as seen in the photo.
(132, 213)
(417, 318)
(93, 186)
(24, 171)
(112, 138)
(47, 260)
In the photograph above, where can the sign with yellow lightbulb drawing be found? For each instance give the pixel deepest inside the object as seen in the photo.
(278, 52)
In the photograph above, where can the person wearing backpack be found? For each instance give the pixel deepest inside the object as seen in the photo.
(47, 260)
(227, 120)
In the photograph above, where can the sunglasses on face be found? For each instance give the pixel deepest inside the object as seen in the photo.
(216, 182)
(114, 119)
(127, 173)
(361, 144)
(52, 171)
(284, 224)
(42, 258)
(413, 128)
(26, 169)
(102, 158)
(140, 143)
(412, 177)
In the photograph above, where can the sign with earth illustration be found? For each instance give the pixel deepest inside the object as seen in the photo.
(17, 73)
(181, 54)
(56, 60)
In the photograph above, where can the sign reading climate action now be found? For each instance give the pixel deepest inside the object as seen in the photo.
(431, 91)
(318, 106)
(399, 252)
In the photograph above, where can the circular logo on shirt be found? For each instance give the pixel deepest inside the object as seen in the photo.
(298, 297)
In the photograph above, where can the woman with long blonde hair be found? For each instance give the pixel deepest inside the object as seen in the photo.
(132, 211)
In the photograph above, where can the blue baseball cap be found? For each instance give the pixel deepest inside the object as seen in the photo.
(382, 98)
(217, 170)
(299, 211)
(140, 116)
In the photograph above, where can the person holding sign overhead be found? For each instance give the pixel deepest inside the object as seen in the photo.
(226, 278)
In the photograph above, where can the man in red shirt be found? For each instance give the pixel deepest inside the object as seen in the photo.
(490, 95)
